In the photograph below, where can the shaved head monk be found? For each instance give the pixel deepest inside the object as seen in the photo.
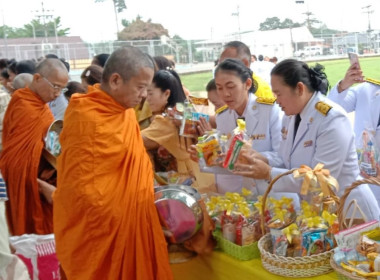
(105, 221)
(26, 123)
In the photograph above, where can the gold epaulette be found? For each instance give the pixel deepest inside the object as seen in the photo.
(323, 107)
(221, 109)
(266, 100)
(372, 81)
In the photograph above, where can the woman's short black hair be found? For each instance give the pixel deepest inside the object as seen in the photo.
(169, 79)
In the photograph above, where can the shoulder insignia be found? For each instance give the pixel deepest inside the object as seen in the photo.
(323, 107)
(221, 109)
(266, 100)
(372, 81)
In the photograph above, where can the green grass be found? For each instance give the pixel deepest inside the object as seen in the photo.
(196, 82)
(335, 70)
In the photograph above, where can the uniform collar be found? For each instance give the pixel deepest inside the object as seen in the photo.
(309, 106)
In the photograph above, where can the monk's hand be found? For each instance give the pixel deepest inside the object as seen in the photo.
(252, 167)
(203, 126)
(193, 153)
(46, 190)
(353, 75)
(167, 233)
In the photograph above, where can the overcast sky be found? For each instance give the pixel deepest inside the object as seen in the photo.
(193, 19)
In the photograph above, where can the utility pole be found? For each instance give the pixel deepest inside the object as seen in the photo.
(43, 14)
(368, 12)
(237, 14)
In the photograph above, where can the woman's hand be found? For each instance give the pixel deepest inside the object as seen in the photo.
(248, 152)
(46, 190)
(252, 166)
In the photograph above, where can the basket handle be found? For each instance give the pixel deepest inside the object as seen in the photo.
(267, 191)
(331, 194)
(341, 212)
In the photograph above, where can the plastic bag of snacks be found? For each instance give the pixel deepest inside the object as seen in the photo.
(368, 155)
(190, 119)
(283, 230)
(318, 188)
(236, 217)
(209, 149)
(359, 250)
(236, 142)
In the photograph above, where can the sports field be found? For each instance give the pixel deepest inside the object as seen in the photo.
(335, 70)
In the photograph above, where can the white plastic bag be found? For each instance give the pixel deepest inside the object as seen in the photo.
(38, 254)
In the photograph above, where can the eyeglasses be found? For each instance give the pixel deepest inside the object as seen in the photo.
(55, 87)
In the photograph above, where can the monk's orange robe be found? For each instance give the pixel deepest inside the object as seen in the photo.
(105, 221)
(25, 125)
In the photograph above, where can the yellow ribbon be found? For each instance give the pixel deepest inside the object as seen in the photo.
(279, 214)
(307, 210)
(315, 222)
(312, 176)
(229, 202)
(245, 192)
(329, 218)
(290, 230)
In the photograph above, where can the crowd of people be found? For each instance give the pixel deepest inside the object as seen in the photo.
(121, 137)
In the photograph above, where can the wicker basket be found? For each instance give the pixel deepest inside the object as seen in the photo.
(341, 273)
(243, 253)
(306, 266)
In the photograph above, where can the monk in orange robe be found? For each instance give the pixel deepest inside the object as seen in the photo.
(105, 222)
(25, 125)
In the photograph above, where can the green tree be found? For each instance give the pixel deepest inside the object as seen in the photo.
(270, 24)
(288, 23)
(310, 20)
(275, 23)
(142, 30)
(36, 29)
(125, 22)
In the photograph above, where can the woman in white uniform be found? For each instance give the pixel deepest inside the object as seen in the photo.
(263, 120)
(324, 134)
(364, 100)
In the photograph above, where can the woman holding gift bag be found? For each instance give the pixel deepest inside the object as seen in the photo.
(236, 87)
(314, 130)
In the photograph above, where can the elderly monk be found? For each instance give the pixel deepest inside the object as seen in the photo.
(26, 123)
(105, 221)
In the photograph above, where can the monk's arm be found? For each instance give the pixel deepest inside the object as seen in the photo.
(46, 190)
(150, 144)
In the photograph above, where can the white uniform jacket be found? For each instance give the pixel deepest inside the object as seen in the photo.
(327, 139)
(263, 125)
(364, 100)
